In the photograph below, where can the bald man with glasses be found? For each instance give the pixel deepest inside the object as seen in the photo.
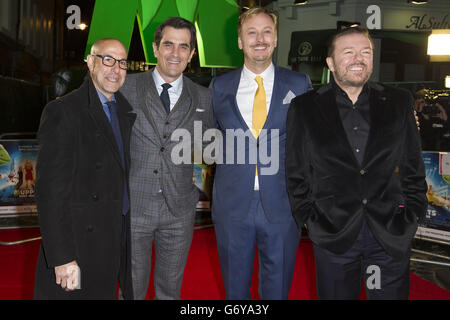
(82, 185)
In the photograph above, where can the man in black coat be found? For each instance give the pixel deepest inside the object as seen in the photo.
(82, 185)
(355, 175)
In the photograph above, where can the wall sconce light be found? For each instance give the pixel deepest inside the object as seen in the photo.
(417, 1)
(439, 45)
(300, 2)
(346, 24)
(447, 81)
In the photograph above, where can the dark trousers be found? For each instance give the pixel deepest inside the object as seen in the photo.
(339, 276)
(126, 291)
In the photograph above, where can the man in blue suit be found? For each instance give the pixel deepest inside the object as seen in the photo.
(250, 201)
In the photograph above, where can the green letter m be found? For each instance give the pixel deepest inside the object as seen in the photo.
(215, 22)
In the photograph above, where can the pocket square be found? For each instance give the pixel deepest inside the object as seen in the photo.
(200, 110)
(289, 96)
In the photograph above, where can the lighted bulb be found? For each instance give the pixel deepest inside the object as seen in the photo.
(439, 44)
(82, 26)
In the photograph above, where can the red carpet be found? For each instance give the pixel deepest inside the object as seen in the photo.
(202, 280)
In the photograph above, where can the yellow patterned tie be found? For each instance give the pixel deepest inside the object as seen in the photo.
(259, 110)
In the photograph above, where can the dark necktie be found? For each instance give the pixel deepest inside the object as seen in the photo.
(165, 97)
(112, 106)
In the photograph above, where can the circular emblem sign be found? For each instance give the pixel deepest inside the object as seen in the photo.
(304, 48)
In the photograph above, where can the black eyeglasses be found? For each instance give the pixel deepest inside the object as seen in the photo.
(110, 61)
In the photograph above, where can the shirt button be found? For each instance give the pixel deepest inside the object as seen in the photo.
(362, 172)
(364, 201)
(355, 128)
(162, 149)
(357, 150)
(155, 171)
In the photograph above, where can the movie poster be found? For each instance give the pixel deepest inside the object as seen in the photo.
(437, 220)
(203, 180)
(17, 176)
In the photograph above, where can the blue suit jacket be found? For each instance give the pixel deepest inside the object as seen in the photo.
(234, 182)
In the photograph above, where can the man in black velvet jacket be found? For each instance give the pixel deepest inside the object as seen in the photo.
(355, 175)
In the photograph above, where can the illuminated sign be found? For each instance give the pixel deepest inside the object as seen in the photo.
(426, 22)
(215, 22)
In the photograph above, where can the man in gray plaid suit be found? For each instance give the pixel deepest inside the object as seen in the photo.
(163, 196)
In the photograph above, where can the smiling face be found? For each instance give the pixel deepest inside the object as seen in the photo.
(258, 40)
(174, 52)
(107, 79)
(352, 60)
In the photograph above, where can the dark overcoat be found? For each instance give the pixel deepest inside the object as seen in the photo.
(79, 190)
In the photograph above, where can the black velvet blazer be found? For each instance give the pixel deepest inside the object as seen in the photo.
(332, 193)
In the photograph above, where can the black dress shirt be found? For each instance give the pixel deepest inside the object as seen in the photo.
(355, 119)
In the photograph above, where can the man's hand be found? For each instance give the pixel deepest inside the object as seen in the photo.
(68, 275)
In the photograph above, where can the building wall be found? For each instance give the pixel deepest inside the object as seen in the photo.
(324, 14)
(30, 48)
(28, 26)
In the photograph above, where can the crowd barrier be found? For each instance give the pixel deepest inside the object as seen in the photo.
(18, 205)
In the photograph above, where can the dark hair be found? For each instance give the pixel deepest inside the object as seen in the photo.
(419, 94)
(347, 31)
(177, 23)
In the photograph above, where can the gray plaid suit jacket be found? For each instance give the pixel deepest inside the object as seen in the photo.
(152, 168)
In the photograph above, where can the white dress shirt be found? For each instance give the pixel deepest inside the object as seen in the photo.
(174, 91)
(246, 95)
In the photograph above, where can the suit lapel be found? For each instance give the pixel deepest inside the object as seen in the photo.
(148, 98)
(126, 121)
(98, 115)
(232, 93)
(184, 103)
(328, 109)
(326, 103)
(379, 110)
(278, 92)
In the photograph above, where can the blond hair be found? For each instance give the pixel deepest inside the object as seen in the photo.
(253, 12)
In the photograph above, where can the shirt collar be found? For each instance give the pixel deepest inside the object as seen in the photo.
(269, 72)
(176, 85)
(104, 99)
(338, 90)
